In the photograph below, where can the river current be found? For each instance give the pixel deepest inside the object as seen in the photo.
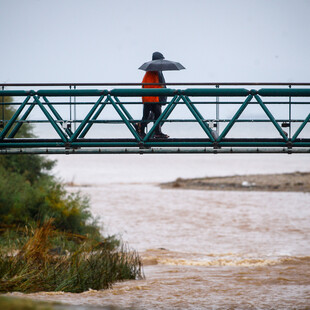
(201, 249)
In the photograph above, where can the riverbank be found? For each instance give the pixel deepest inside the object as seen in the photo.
(285, 182)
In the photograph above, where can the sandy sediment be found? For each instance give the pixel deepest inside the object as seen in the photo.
(286, 182)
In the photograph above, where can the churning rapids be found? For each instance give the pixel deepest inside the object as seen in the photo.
(201, 249)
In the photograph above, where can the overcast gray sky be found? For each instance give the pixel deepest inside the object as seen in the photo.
(107, 40)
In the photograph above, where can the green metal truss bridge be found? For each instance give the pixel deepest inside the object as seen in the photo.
(228, 118)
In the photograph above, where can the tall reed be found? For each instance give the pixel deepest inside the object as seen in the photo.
(93, 266)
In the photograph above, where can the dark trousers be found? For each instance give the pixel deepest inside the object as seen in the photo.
(146, 118)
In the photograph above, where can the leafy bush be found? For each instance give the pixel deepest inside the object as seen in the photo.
(23, 203)
(29, 194)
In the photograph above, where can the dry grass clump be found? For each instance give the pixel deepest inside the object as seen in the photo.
(36, 267)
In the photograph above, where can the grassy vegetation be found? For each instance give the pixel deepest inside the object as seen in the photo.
(37, 267)
(49, 240)
(9, 303)
(13, 303)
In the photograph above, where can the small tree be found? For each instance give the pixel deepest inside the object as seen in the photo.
(31, 166)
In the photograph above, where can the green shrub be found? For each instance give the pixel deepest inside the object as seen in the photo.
(23, 203)
(30, 195)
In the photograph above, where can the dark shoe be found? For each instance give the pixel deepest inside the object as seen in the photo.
(161, 136)
(137, 127)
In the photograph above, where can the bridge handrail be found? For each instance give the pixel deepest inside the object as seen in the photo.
(278, 92)
(194, 92)
(218, 84)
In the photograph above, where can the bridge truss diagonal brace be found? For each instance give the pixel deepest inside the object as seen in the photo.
(235, 117)
(198, 117)
(86, 120)
(23, 118)
(57, 115)
(90, 124)
(11, 122)
(50, 118)
(270, 116)
(301, 127)
(123, 117)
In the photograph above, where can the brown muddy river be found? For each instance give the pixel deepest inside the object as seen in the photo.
(201, 249)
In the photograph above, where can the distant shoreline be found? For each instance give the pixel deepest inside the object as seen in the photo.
(284, 182)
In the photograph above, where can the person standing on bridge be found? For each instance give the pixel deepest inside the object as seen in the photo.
(151, 104)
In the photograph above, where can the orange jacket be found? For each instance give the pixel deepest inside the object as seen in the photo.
(151, 77)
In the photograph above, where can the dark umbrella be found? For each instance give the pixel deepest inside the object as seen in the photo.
(161, 65)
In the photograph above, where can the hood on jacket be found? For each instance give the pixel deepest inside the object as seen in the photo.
(157, 55)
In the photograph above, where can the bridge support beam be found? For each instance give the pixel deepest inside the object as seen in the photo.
(158, 151)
